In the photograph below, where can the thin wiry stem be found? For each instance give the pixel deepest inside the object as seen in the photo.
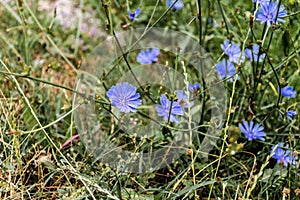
(269, 44)
(124, 55)
(223, 16)
(199, 15)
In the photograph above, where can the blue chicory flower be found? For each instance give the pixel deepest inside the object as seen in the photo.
(252, 131)
(290, 114)
(148, 56)
(288, 91)
(267, 13)
(226, 69)
(233, 51)
(165, 110)
(253, 53)
(124, 97)
(194, 87)
(261, 1)
(177, 6)
(183, 98)
(282, 156)
(133, 15)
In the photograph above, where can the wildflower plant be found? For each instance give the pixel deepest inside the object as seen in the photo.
(268, 14)
(253, 54)
(261, 1)
(177, 6)
(169, 109)
(134, 15)
(124, 97)
(252, 131)
(165, 100)
(173, 99)
(288, 91)
(290, 114)
(284, 156)
(194, 87)
(148, 56)
(226, 69)
(233, 51)
(183, 100)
